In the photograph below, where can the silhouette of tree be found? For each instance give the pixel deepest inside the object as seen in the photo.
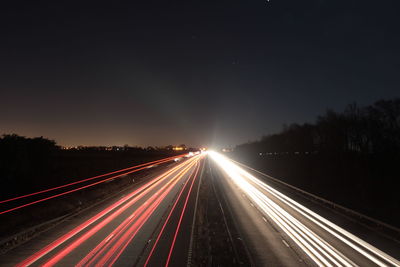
(355, 155)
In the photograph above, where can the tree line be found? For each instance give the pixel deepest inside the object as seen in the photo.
(28, 164)
(350, 157)
(368, 130)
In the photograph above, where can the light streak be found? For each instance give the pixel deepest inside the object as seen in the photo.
(74, 190)
(114, 253)
(166, 222)
(116, 234)
(95, 229)
(132, 236)
(140, 192)
(180, 220)
(318, 249)
(91, 178)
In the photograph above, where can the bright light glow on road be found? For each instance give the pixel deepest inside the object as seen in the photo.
(319, 250)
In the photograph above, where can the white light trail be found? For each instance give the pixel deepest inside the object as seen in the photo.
(318, 249)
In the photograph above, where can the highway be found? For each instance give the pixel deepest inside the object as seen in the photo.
(148, 226)
(279, 231)
(152, 224)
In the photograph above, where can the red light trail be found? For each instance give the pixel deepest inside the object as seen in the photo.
(180, 221)
(84, 225)
(125, 224)
(82, 187)
(149, 197)
(167, 220)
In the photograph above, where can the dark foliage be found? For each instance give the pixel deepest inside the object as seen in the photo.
(371, 130)
(31, 164)
(350, 157)
(24, 157)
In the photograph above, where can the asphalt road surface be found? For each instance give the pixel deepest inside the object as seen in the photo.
(280, 231)
(150, 225)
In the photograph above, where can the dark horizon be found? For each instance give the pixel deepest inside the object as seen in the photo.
(203, 74)
(282, 130)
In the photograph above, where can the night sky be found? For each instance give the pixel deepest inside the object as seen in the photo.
(193, 72)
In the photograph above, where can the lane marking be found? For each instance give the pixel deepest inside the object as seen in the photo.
(286, 244)
(190, 251)
(181, 217)
(137, 192)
